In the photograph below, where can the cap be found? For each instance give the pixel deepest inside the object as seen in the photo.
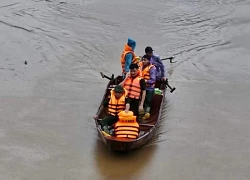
(137, 59)
(118, 89)
(148, 49)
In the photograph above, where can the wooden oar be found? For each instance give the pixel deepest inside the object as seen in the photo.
(168, 58)
(171, 89)
(112, 78)
(109, 78)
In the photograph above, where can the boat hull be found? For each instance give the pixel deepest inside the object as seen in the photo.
(148, 129)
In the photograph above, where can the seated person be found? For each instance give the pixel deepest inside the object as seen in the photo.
(148, 72)
(116, 103)
(127, 127)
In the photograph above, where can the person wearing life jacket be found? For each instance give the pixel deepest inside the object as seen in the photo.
(126, 127)
(157, 62)
(136, 88)
(149, 75)
(128, 56)
(116, 103)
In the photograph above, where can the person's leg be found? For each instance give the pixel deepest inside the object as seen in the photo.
(147, 103)
(108, 121)
(134, 106)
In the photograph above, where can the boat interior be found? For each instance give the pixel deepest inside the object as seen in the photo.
(146, 125)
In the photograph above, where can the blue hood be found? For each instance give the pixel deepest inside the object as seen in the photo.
(131, 43)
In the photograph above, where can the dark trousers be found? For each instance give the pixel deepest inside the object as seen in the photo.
(134, 106)
(148, 100)
(109, 120)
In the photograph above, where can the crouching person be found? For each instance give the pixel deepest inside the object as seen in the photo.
(116, 103)
(127, 126)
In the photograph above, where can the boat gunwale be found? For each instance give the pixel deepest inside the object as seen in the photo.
(125, 140)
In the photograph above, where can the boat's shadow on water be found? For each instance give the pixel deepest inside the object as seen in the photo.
(121, 165)
(124, 165)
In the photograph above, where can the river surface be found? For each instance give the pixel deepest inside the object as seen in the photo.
(46, 127)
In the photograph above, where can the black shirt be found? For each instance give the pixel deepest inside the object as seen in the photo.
(143, 84)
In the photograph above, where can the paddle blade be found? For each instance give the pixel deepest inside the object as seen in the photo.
(102, 74)
(171, 59)
(173, 89)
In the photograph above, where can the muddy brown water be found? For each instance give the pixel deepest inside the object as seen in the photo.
(46, 126)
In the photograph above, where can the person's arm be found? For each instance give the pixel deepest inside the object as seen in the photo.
(143, 89)
(106, 102)
(122, 83)
(143, 97)
(128, 61)
(127, 102)
(162, 68)
(152, 76)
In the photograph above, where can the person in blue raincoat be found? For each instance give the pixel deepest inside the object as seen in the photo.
(128, 56)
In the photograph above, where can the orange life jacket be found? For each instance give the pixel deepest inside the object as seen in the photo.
(127, 127)
(145, 73)
(127, 49)
(133, 87)
(116, 105)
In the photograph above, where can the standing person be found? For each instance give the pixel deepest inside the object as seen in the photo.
(148, 72)
(128, 56)
(136, 88)
(157, 62)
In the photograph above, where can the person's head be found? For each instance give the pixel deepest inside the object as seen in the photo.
(134, 69)
(149, 51)
(131, 43)
(118, 91)
(146, 59)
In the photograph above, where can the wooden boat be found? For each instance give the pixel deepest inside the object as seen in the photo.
(146, 129)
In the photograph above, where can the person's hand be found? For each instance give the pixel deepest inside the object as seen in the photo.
(164, 79)
(140, 108)
(126, 111)
(127, 75)
(95, 117)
